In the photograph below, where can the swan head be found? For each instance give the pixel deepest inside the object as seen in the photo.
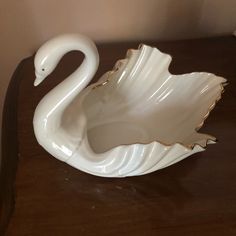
(50, 53)
(45, 61)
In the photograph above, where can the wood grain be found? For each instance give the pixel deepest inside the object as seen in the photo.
(194, 197)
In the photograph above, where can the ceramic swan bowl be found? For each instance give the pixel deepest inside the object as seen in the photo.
(136, 119)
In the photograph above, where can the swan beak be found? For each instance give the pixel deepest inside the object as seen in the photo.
(37, 80)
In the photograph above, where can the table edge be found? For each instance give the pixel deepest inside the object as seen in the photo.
(9, 149)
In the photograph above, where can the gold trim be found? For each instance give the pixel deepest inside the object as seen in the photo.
(212, 106)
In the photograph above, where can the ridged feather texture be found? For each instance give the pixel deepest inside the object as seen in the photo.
(139, 118)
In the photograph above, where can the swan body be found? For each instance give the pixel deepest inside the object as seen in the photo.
(136, 119)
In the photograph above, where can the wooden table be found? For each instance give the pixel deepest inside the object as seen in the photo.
(194, 197)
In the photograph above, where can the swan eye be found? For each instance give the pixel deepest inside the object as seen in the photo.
(43, 69)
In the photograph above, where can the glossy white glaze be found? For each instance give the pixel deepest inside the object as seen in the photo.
(136, 119)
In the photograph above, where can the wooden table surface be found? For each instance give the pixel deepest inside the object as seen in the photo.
(194, 197)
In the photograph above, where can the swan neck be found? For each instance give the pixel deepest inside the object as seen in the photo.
(80, 78)
(64, 93)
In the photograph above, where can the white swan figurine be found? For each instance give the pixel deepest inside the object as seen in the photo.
(136, 119)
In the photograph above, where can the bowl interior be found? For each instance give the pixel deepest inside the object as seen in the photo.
(167, 110)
